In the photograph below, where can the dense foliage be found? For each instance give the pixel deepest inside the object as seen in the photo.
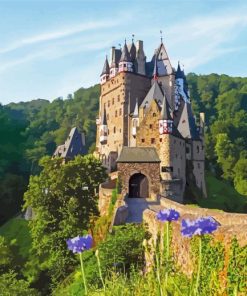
(224, 101)
(63, 199)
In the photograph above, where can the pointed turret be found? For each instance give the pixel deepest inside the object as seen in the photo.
(125, 57)
(105, 72)
(103, 130)
(155, 71)
(125, 63)
(179, 72)
(132, 51)
(166, 121)
(181, 87)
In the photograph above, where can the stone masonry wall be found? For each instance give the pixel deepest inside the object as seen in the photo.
(150, 170)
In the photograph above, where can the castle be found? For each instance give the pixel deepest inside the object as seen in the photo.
(146, 131)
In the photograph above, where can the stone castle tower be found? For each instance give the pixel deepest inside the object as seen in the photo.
(146, 130)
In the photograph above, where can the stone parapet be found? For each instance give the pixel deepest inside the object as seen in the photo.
(222, 217)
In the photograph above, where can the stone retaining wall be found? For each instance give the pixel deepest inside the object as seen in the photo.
(222, 217)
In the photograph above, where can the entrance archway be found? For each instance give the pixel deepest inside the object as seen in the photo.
(138, 186)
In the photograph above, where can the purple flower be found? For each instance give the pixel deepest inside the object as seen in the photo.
(79, 244)
(168, 215)
(200, 226)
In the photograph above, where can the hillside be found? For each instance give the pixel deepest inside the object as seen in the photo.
(30, 130)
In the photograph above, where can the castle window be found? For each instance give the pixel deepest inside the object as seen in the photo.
(124, 65)
(112, 101)
(154, 114)
(120, 111)
(165, 169)
(187, 150)
(152, 140)
(160, 139)
(114, 129)
(118, 98)
(150, 126)
(198, 149)
(116, 113)
(143, 140)
(120, 130)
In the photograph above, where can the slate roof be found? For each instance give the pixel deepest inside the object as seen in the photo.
(165, 110)
(125, 57)
(179, 73)
(74, 145)
(138, 154)
(155, 92)
(115, 58)
(106, 68)
(132, 51)
(187, 124)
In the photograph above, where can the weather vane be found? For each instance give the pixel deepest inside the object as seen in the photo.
(161, 36)
(119, 44)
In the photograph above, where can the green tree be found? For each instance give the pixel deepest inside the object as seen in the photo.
(63, 198)
(240, 179)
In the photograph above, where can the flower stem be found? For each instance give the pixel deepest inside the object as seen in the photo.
(83, 274)
(167, 251)
(158, 274)
(199, 266)
(100, 273)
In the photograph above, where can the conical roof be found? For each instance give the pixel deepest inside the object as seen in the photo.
(125, 57)
(106, 68)
(132, 52)
(179, 73)
(165, 110)
(155, 71)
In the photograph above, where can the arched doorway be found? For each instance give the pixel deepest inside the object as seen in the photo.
(138, 186)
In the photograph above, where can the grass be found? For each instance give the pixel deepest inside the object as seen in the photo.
(17, 229)
(222, 196)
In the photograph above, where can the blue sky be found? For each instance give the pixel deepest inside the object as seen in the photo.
(51, 48)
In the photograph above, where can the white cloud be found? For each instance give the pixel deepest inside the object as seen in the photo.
(62, 33)
(203, 39)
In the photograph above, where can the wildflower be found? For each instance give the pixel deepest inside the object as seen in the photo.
(200, 226)
(79, 244)
(168, 215)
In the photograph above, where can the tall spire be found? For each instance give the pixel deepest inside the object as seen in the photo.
(165, 112)
(125, 57)
(161, 37)
(106, 68)
(155, 72)
(179, 72)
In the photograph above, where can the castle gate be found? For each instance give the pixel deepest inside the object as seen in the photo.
(138, 186)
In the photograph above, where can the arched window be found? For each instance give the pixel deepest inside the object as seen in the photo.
(154, 114)
(114, 129)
